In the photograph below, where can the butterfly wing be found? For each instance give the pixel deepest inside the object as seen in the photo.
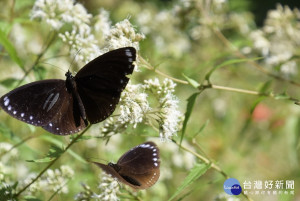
(111, 171)
(67, 120)
(101, 81)
(141, 163)
(42, 103)
(35, 103)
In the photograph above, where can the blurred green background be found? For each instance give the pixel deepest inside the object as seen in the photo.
(250, 137)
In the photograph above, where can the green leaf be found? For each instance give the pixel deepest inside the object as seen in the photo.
(39, 72)
(58, 143)
(53, 153)
(256, 102)
(9, 82)
(281, 96)
(229, 62)
(192, 82)
(197, 171)
(190, 105)
(8, 133)
(10, 49)
(201, 128)
(266, 87)
(31, 198)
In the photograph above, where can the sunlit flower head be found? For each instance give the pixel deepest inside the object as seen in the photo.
(58, 12)
(109, 188)
(123, 35)
(134, 105)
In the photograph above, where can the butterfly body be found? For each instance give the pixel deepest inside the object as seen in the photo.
(64, 107)
(138, 168)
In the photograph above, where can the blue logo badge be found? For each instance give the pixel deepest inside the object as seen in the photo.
(232, 186)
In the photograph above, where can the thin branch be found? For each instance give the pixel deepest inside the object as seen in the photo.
(212, 164)
(52, 162)
(256, 65)
(150, 67)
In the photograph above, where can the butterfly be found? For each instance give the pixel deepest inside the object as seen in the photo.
(64, 107)
(137, 168)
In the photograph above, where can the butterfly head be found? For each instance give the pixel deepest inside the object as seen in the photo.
(69, 74)
(115, 166)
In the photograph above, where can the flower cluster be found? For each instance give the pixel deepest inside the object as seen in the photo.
(135, 105)
(84, 38)
(279, 39)
(52, 180)
(136, 108)
(123, 35)
(108, 187)
(7, 154)
(56, 13)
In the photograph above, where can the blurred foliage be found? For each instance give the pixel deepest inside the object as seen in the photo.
(251, 137)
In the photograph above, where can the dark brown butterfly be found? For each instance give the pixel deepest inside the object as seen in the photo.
(66, 106)
(138, 168)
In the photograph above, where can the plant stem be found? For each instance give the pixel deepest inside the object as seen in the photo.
(37, 59)
(256, 65)
(150, 67)
(52, 162)
(209, 162)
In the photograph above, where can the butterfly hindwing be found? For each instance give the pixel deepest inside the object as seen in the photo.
(67, 120)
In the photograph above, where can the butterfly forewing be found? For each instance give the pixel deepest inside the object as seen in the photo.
(100, 87)
(35, 103)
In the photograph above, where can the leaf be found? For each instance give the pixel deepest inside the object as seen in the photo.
(8, 133)
(201, 128)
(10, 49)
(197, 171)
(9, 82)
(58, 143)
(192, 82)
(39, 72)
(256, 102)
(265, 88)
(228, 62)
(191, 101)
(31, 198)
(281, 96)
(53, 153)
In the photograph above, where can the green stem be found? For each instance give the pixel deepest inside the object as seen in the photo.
(220, 35)
(209, 162)
(37, 59)
(52, 162)
(150, 67)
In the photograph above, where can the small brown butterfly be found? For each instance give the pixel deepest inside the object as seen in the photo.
(138, 168)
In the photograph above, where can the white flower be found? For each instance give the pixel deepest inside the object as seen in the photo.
(134, 105)
(170, 116)
(52, 180)
(103, 23)
(58, 12)
(123, 35)
(109, 189)
(83, 44)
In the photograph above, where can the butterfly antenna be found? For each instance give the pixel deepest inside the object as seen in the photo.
(54, 66)
(73, 60)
